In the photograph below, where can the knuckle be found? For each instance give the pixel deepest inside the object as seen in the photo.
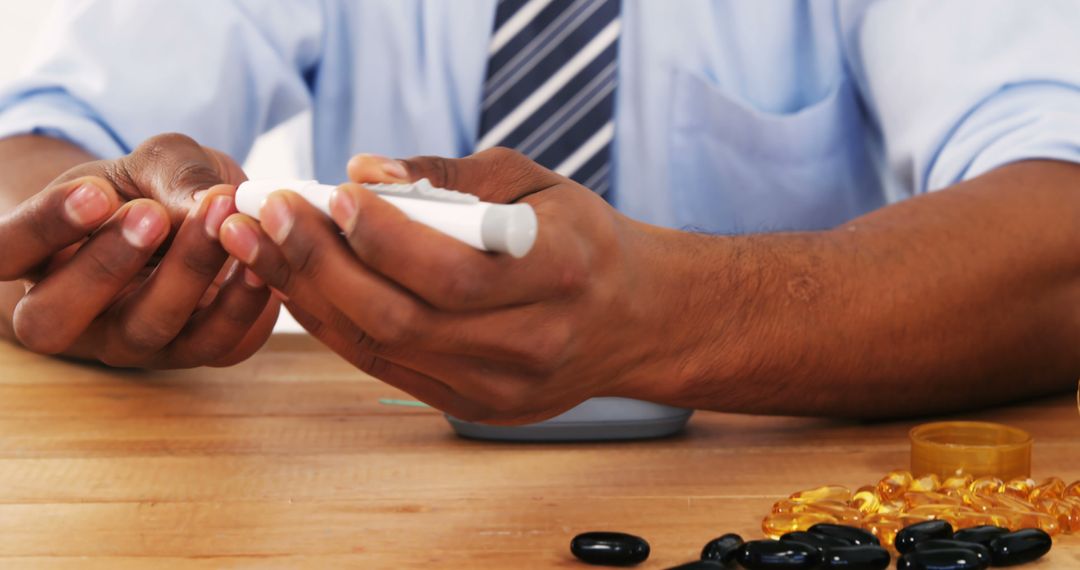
(41, 226)
(202, 265)
(441, 171)
(239, 314)
(502, 154)
(573, 276)
(193, 173)
(306, 259)
(373, 365)
(162, 144)
(119, 174)
(142, 336)
(396, 325)
(547, 351)
(105, 269)
(35, 330)
(279, 276)
(445, 171)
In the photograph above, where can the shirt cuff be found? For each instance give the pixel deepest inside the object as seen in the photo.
(1019, 122)
(56, 114)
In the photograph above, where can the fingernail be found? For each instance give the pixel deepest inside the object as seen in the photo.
(343, 209)
(87, 205)
(143, 225)
(220, 207)
(277, 218)
(394, 168)
(252, 280)
(241, 241)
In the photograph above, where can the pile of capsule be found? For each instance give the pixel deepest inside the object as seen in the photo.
(927, 545)
(900, 500)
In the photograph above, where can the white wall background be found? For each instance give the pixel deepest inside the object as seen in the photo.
(277, 154)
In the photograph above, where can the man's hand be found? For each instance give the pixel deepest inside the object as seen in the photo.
(482, 336)
(963, 298)
(97, 283)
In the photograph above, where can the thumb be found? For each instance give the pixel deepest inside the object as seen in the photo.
(51, 220)
(495, 175)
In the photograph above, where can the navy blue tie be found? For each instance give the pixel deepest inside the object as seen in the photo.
(550, 85)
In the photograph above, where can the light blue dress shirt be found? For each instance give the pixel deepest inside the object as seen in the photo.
(731, 116)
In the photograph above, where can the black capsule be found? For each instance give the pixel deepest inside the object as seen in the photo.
(980, 534)
(722, 549)
(948, 543)
(853, 535)
(776, 555)
(948, 559)
(918, 532)
(866, 557)
(700, 565)
(818, 541)
(609, 548)
(1019, 547)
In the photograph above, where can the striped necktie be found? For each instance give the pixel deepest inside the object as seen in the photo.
(550, 85)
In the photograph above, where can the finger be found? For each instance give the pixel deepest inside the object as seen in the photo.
(52, 220)
(442, 270)
(307, 259)
(152, 316)
(342, 341)
(372, 324)
(256, 336)
(495, 175)
(58, 309)
(217, 330)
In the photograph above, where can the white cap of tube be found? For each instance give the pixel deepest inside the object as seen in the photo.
(507, 228)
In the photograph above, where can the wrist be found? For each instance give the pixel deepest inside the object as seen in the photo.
(682, 296)
(736, 318)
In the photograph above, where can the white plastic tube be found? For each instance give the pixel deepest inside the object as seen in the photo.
(505, 228)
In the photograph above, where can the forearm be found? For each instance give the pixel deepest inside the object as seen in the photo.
(958, 299)
(27, 165)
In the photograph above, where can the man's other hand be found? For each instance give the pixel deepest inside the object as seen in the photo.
(121, 262)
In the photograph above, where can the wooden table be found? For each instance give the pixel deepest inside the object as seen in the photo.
(288, 460)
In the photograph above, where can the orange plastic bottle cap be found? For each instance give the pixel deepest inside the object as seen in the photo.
(970, 448)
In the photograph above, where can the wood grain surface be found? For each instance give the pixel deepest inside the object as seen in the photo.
(289, 461)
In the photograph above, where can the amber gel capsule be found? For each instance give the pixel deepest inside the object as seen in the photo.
(894, 485)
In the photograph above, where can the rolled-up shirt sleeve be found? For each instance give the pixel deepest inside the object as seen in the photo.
(960, 87)
(109, 74)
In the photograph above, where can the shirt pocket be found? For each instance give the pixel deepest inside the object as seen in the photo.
(736, 169)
